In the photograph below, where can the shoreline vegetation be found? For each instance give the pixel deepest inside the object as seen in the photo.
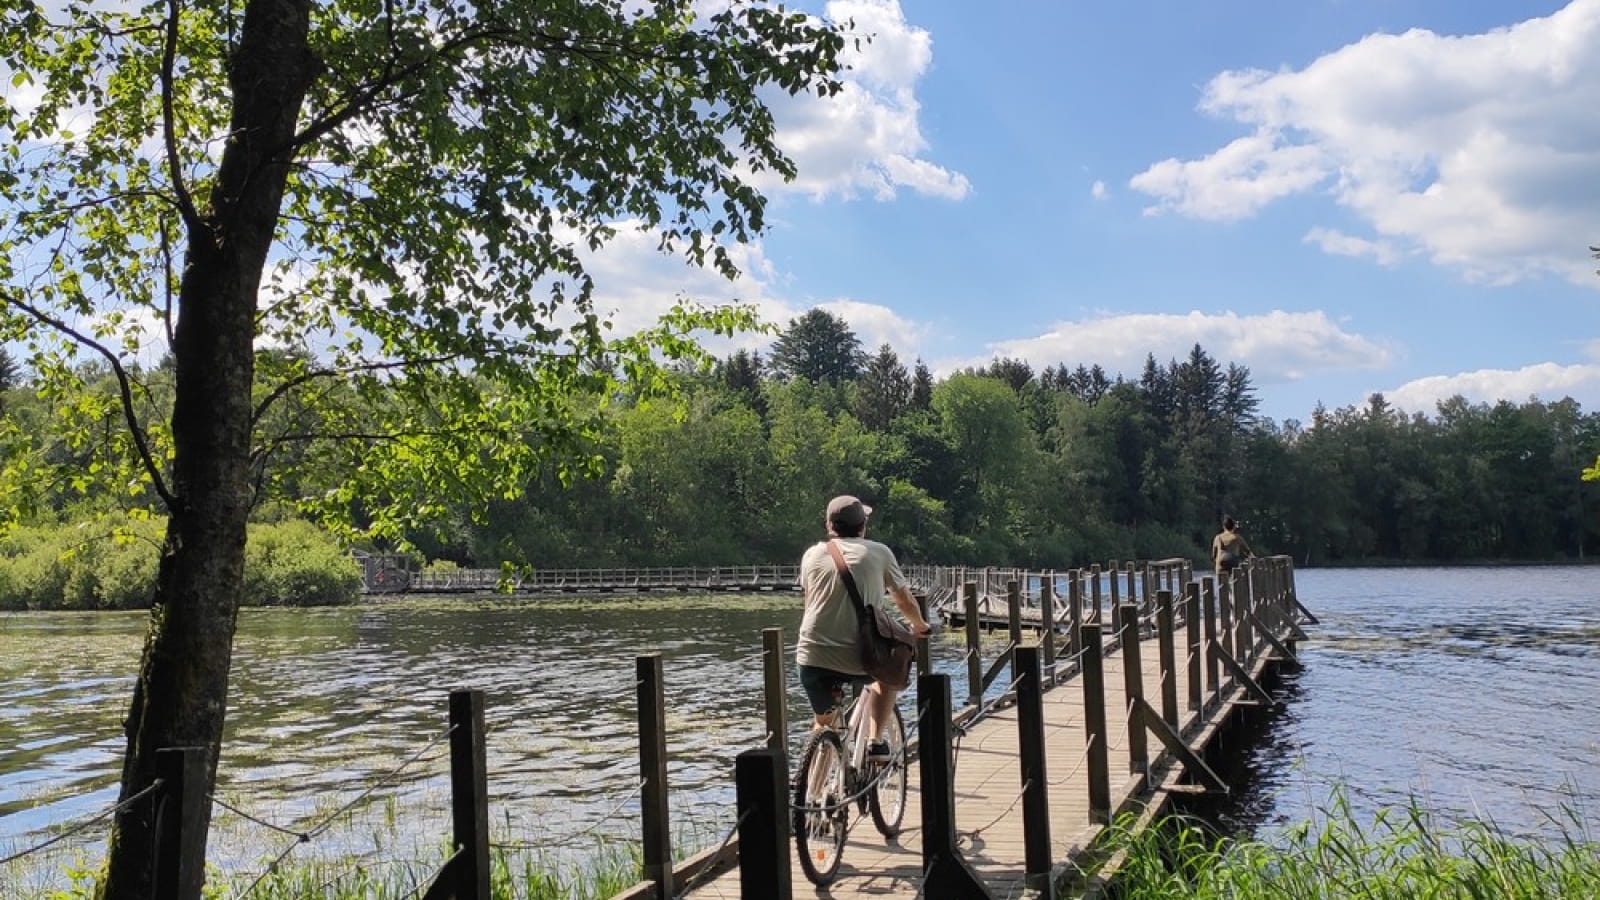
(1400, 853)
(109, 563)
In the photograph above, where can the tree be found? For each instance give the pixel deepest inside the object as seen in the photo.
(816, 347)
(884, 390)
(10, 376)
(921, 387)
(741, 374)
(406, 188)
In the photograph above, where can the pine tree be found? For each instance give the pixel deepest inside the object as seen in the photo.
(818, 346)
(883, 391)
(921, 387)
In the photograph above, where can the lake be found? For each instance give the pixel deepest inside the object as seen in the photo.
(1472, 689)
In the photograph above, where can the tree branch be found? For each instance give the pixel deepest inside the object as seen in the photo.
(169, 53)
(386, 365)
(124, 386)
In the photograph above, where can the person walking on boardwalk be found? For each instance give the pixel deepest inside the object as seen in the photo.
(826, 649)
(1228, 548)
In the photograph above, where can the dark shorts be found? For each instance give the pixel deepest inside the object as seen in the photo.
(825, 687)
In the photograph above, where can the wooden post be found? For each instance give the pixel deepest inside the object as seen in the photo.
(1169, 662)
(1208, 593)
(947, 875)
(764, 872)
(1047, 622)
(1035, 785)
(1114, 579)
(1133, 686)
(1094, 592)
(469, 796)
(1094, 726)
(180, 804)
(1243, 645)
(974, 641)
(1014, 615)
(1225, 626)
(1074, 612)
(776, 693)
(653, 771)
(1191, 630)
(1133, 597)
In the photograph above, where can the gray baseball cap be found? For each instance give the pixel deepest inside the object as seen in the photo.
(848, 511)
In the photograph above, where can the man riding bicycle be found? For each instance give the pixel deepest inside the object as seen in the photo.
(827, 651)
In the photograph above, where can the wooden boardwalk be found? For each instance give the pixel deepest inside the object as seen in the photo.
(988, 789)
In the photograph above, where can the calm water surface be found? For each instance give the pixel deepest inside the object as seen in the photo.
(1472, 689)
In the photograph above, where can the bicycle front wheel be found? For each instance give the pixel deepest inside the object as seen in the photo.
(821, 813)
(888, 799)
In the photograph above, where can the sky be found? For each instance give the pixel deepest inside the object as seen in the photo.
(1346, 196)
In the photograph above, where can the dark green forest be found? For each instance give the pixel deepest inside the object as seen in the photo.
(1005, 465)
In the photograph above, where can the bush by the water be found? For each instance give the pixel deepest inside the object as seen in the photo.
(1402, 854)
(110, 563)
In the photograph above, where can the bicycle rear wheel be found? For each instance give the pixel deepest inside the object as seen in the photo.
(888, 800)
(821, 815)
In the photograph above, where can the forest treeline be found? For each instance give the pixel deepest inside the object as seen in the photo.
(1005, 465)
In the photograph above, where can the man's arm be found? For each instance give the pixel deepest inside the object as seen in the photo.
(911, 610)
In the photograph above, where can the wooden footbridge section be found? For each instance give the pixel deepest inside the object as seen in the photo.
(1104, 710)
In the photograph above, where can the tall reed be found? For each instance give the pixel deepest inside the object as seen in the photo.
(1401, 853)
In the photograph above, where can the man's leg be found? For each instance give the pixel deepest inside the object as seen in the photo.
(880, 703)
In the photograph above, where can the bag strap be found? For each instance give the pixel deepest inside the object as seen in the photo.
(843, 569)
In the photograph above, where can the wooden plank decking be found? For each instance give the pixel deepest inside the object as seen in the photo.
(988, 787)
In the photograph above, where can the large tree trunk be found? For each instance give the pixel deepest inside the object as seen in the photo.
(182, 691)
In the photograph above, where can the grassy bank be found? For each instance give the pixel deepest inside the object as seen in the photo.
(1401, 854)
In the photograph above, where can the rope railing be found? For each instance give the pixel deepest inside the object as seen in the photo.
(84, 825)
(310, 834)
(571, 840)
(700, 876)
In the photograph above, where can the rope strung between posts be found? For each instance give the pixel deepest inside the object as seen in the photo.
(970, 835)
(1083, 758)
(85, 825)
(305, 837)
(700, 875)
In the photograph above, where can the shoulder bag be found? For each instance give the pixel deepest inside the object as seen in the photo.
(886, 647)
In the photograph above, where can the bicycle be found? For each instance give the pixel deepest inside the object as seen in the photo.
(833, 775)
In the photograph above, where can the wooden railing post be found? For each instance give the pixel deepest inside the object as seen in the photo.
(1014, 614)
(1133, 685)
(1047, 621)
(1225, 626)
(1208, 593)
(776, 695)
(1094, 592)
(1035, 785)
(469, 795)
(1133, 596)
(760, 779)
(1169, 660)
(974, 642)
(180, 804)
(1075, 612)
(946, 874)
(1191, 630)
(1244, 603)
(653, 772)
(1094, 726)
(1114, 579)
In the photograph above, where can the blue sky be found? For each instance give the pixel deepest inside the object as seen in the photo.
(1347, 196)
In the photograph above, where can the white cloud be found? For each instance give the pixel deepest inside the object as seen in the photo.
(635, 283)
(1385, 253)
(1480, 152)
(1098, 190)
(1546, 381)
(866, 139)
(1277, 347)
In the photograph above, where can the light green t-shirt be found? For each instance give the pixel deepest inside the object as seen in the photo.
(828, 629)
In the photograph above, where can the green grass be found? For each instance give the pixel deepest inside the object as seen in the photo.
(1399, 854)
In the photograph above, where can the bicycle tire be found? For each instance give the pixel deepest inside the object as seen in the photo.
(888, 799)
(820, 782)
